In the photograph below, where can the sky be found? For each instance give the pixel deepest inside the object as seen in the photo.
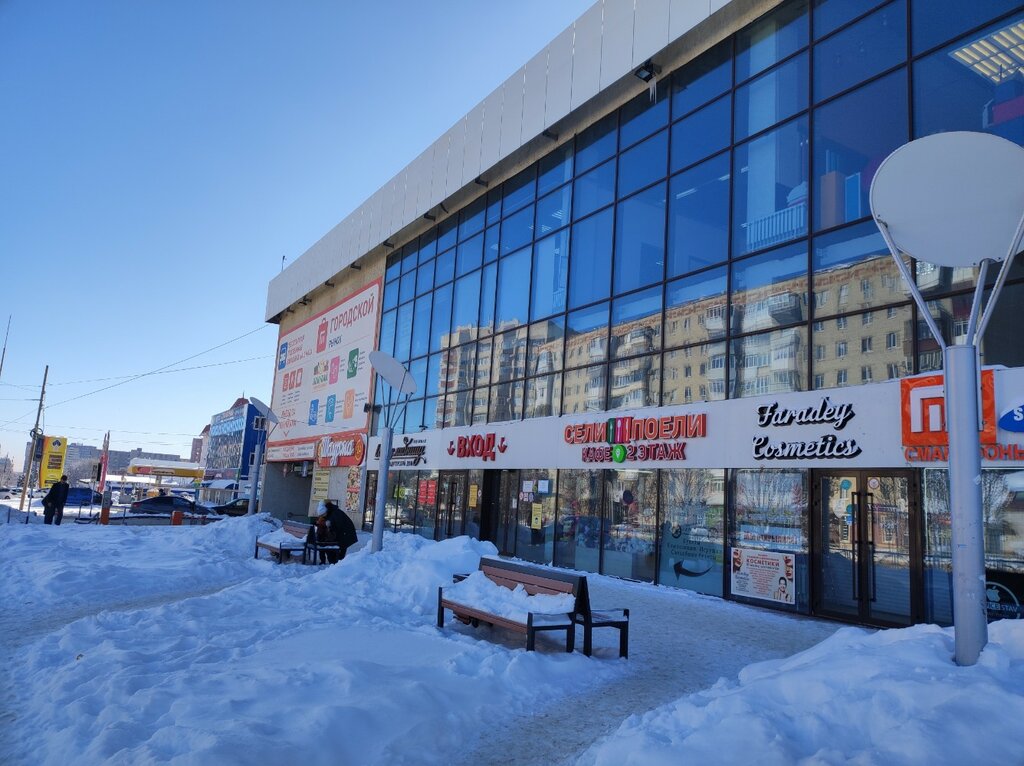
(159, 159)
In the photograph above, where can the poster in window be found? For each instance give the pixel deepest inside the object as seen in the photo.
(764, 575)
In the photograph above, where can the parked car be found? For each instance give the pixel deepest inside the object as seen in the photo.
(78, 496)
(165, 504)
(9, 493)
(237, 507)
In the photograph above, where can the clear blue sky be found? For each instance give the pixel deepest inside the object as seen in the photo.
(157, 159)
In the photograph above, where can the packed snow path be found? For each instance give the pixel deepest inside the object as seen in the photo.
(679, 643)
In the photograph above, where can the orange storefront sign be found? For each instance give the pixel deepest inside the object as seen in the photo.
(923, 410)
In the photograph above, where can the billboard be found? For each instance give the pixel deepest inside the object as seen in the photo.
(232, 440)
(52, 465)
(322, 379)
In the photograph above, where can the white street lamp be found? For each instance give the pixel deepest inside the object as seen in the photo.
(270, 417)
(392, 372)
(957, 200)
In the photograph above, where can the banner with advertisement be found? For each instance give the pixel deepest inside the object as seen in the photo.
(52, 466)
(764, 575)
(323, 376)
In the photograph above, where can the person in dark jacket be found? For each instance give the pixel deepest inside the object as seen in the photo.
(53, 503)
(340, 529)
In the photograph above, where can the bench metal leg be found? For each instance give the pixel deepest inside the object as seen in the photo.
(531, 635)
(440, 610)
(588, 646)
(570, 638)
(624, 641)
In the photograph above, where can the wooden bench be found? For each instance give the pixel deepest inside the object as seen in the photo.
(541, 580)
(284, 550)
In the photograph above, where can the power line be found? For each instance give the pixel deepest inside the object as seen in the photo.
(159, 369)
(163, 372)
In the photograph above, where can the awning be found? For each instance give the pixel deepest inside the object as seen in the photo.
(220, 484)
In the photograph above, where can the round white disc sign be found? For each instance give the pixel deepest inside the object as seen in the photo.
(952, 199)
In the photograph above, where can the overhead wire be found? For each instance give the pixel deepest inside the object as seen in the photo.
(159, 370)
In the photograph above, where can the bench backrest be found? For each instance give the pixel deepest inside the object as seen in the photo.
(537, 580)
(295, 528)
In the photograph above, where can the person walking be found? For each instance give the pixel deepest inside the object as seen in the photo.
(53, 503)
(340, 529)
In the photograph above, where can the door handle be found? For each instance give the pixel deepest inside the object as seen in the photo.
(874, 575)
(854, 546)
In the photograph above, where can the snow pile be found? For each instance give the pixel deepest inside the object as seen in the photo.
(893, 697)
(327, 665)
(480, 592)
(73, 569)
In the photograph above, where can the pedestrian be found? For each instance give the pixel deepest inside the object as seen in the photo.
(340, 530)
(53, 503)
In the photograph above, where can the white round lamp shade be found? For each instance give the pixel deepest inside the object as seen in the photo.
(952, 199)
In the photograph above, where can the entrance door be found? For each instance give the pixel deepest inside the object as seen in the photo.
(451, 504)
(508, 503)
(863, 524)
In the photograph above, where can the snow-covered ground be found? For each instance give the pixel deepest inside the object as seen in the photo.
(140, 645)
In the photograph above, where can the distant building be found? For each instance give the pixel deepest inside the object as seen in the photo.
(230, 452)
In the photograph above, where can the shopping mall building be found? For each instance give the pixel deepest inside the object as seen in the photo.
(653, 329)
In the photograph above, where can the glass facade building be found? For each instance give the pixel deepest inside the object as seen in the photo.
(707, 241)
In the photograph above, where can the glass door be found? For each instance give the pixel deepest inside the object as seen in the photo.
(505, 534)
(451, 504)
(863, 538)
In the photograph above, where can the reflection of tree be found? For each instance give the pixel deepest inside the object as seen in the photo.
(996, 499)
(767, 498)
(687, 494)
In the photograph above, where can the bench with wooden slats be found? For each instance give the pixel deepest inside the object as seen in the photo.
(305, 542)
(537, 580)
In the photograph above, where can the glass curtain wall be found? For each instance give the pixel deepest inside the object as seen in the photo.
(714, 242)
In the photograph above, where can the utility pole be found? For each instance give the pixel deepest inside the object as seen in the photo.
(32, 453)
(3, 354)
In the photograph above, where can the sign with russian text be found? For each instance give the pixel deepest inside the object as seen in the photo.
(340, 450)
(764, 575)
(323, 375)
(636, 439)
(487, 447)
(855, 427)
(52, 465)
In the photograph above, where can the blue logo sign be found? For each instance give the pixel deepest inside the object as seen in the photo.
(282, 356)
(314, 410)
(329, 417)
(1013, 420)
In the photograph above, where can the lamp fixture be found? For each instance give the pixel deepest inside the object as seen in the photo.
(446, 212)
(328, 283)
(355, 267)
(480, 181)
(387, 243)
(429, 217)
(305, 300)
(549, 134)
(647, 71)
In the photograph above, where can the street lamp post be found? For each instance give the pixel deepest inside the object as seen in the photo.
(269, 416)
(957, 200)
(392, 372)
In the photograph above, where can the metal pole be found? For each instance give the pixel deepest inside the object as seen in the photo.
(970, 623)
(32, 455)
(257, 468)
(382, 490)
